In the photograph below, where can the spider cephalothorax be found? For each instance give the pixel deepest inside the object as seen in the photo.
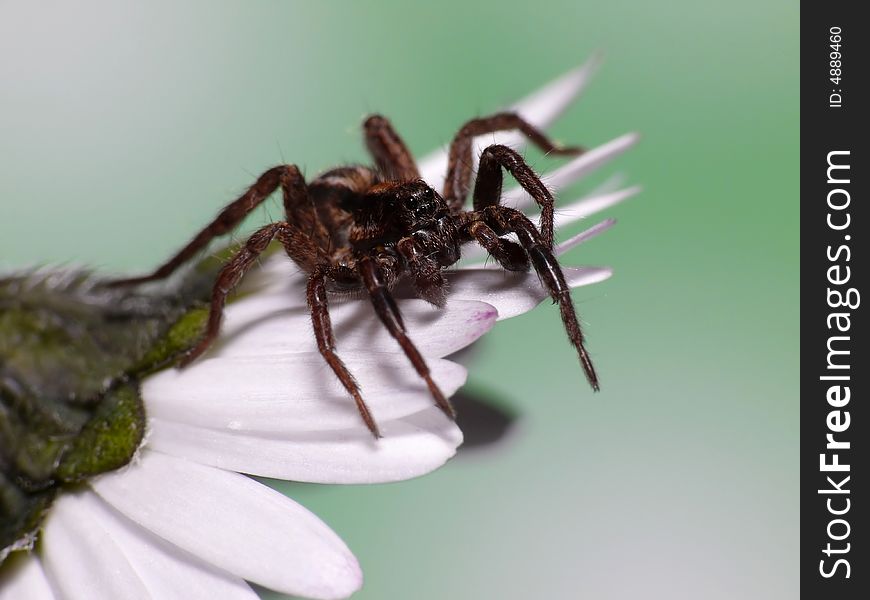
(358, 228)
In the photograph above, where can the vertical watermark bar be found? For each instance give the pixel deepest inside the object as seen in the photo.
(835, 394)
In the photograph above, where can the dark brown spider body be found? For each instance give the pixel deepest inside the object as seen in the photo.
(356, 228)
(365, 211)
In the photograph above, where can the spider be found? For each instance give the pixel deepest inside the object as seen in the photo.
(363, 229)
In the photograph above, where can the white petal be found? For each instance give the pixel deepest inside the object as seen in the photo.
(270, 324)
(540, 108)
(276, 273)
(24, 580)
(560, 249)
(410, 447)
(81, 558)
(574, 170)
(233, 523)
(292, 392)
(568, 214)
(611, 184)
(515, 293)
(565, 216)
(167, 571)
(584, 236)
(543, 107)
(586, 207)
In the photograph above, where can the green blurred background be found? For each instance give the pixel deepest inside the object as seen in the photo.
(123, 126)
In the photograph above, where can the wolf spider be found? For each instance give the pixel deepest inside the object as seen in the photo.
(357, 228)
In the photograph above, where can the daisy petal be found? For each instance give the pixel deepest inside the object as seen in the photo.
(80, 557)
(265, 324)
(565, 215)
(277, 273)
(588, 206)
(167, 571)
(234, 523)
(25, 580)
(515, 293)
(584, 236)
(560, 249)
(292, 392)
(611, 184)
(574, 170)
(409, 448)
(540, 108)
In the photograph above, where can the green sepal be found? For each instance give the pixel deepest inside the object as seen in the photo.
(109, 439)
(72, 354)
(182, 336)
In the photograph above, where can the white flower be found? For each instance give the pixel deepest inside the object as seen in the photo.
(181, 521)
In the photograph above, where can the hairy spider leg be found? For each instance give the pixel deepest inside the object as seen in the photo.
(299, 209)
(509, 254)
(429, 282)
(387, 310)
(298, 245)
(487, 187)
(286, 176)
(392, 157)
(459, 161)
(504, 220)
(318, 304)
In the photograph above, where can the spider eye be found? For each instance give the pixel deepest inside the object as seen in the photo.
(419, 205)
(417, 200)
